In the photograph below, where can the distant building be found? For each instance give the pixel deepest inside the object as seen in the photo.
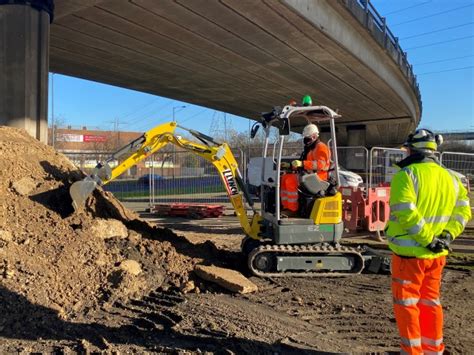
(85, 148)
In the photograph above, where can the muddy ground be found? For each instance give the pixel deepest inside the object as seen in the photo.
(287, 315)
(105, 280)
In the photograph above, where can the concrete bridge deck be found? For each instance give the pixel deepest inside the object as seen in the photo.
(245, 56)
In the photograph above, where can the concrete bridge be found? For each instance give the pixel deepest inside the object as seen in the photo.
(458, 136)
(238, 56)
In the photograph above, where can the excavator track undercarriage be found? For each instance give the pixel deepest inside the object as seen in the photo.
(315, 260)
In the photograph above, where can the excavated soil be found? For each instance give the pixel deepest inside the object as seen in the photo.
(104, 280)
(74, 263)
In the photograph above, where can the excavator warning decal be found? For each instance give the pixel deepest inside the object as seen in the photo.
(230, 182)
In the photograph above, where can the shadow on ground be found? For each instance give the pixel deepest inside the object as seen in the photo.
(22, 320)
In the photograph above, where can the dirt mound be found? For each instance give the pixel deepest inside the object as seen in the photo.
(73, 262)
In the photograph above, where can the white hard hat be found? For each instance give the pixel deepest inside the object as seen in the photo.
(310, 129)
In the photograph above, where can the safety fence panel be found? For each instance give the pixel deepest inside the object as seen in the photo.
(382, 165)
(165, 177)
(353, 159)
(87, 161)
(462, 164)
(290, 149)
(181, 176)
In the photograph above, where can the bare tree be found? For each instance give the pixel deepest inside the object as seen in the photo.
(54, 136)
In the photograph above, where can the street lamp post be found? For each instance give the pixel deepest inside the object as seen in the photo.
(174, 147)
(53, 130)
(174, 110)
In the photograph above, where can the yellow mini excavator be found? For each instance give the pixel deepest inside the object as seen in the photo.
(275, 244)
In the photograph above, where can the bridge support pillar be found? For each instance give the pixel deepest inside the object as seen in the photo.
(24, 65)
(356, 135)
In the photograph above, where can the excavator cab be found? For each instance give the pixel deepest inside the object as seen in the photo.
(306, 244)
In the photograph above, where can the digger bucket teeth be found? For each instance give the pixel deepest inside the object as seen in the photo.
(81, 190)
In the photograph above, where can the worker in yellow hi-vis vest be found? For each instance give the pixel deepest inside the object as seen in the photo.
(429, 208)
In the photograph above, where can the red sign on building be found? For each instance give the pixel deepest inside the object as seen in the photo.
(94, 138)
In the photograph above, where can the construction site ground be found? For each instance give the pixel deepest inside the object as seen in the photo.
(108, 280)
(286, 315)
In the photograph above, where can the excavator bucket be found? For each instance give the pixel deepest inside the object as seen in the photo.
(81, 190)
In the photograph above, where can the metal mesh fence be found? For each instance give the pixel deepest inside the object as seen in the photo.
(354, 159)
(382, 164)
(462, 164)
(181, 176)
(164, 177)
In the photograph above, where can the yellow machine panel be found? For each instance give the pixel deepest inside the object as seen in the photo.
(327, 210)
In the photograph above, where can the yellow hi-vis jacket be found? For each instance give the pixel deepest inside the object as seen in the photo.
(425, 200)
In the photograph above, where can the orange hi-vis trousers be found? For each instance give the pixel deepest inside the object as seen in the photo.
(418, 311)
(289, 192)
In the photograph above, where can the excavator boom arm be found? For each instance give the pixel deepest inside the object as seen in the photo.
(219, 154)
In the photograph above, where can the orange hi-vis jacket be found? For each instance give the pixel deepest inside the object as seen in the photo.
(318, 159)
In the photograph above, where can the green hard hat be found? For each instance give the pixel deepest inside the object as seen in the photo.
(307, 101)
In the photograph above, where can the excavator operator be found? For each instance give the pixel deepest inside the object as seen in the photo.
(315, 157)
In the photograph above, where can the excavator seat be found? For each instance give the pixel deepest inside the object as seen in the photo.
(313, 184)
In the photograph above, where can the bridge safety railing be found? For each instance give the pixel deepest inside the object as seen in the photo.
(367, 15)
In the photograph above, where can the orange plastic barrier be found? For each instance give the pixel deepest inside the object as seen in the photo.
(365, 211)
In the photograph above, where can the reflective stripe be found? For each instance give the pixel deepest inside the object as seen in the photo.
(414, 179)
(403, 206)
(400, 281)
(411, 342)
(437, 219)
(393, 218)
(315, 165)
(291, 193)
(428, 302)
(417, 227)
(323, 163)
(403, 242)
(289, 199)
(434, 342)
(455, 183)
(406, 301)
(462, 203)
(460, 219)
(428, 352)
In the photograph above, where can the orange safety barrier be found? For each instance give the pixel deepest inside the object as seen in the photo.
(365, 211)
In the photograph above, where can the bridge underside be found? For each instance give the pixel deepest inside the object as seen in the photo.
(241, 57)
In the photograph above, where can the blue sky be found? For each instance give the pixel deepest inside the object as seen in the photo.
(437, 34)
(447, 94)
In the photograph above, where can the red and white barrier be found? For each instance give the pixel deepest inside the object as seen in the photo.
(365, 210)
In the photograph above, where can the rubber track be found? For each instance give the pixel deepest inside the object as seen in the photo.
(306, 250)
